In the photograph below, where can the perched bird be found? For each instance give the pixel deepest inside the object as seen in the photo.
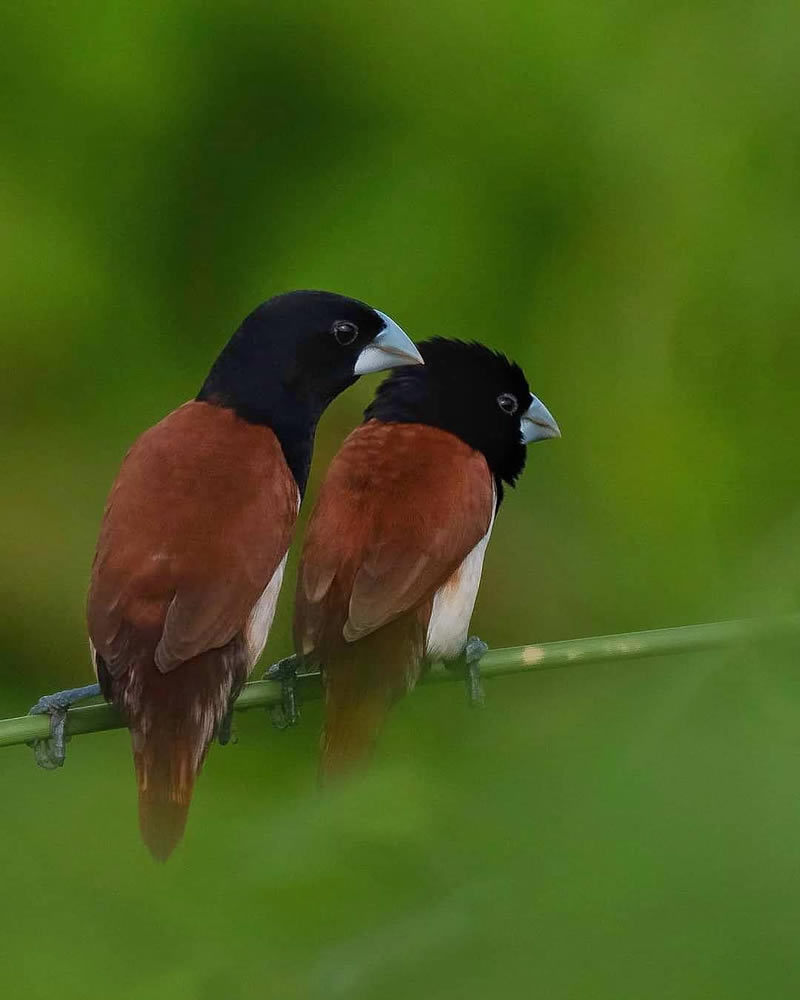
(394, 549)
(195, 533)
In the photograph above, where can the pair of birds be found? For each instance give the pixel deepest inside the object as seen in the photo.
(196, 530)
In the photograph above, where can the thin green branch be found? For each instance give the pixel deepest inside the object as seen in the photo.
(496, 663)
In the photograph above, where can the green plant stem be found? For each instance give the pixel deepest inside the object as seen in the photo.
(496, 663)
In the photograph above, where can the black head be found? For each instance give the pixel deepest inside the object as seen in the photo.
(473, 392)
(293, 355)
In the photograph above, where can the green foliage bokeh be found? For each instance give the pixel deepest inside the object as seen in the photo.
(608, 192)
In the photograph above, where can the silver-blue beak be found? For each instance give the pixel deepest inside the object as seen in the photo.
(537, 423)
(390, 349)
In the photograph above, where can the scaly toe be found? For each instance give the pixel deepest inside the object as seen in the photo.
(50, 753)
(473, 654)
(285, 714)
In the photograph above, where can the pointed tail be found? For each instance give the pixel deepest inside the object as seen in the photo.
(173, 718)
(353, 719)
(362, 681)
(172, 725)
(166, 769)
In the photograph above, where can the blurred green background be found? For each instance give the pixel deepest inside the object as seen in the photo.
(607, 191)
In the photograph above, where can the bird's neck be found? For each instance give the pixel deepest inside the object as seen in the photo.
(292, 418)
(295, 426)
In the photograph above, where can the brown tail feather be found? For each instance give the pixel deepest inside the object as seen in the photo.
(362, 682)
(352, 722)
(161, 822)
(173, 718)
(165, 774)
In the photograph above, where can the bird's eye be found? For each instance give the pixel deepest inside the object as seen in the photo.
(344, 331)
(507, 402)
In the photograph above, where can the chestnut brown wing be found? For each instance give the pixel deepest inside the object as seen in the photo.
(401, 507)
(198, 520)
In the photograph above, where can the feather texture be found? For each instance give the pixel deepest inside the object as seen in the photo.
(183, 588)
(402, 507)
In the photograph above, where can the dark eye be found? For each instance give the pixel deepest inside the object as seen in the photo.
(507, 402)
(344, 332)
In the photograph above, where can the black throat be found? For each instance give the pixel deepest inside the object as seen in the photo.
(271, 400)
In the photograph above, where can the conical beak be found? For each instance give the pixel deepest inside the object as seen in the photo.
(537, 423)
(390, 349)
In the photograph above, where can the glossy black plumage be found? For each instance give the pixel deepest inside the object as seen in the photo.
(283, 366)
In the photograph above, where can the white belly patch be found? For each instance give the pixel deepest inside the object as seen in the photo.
(260, 620)
(448, 627)
(261, 617)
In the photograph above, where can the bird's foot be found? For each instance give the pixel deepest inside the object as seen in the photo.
(50, 753)
(474, 652)
(226, 734)
(286, 713)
